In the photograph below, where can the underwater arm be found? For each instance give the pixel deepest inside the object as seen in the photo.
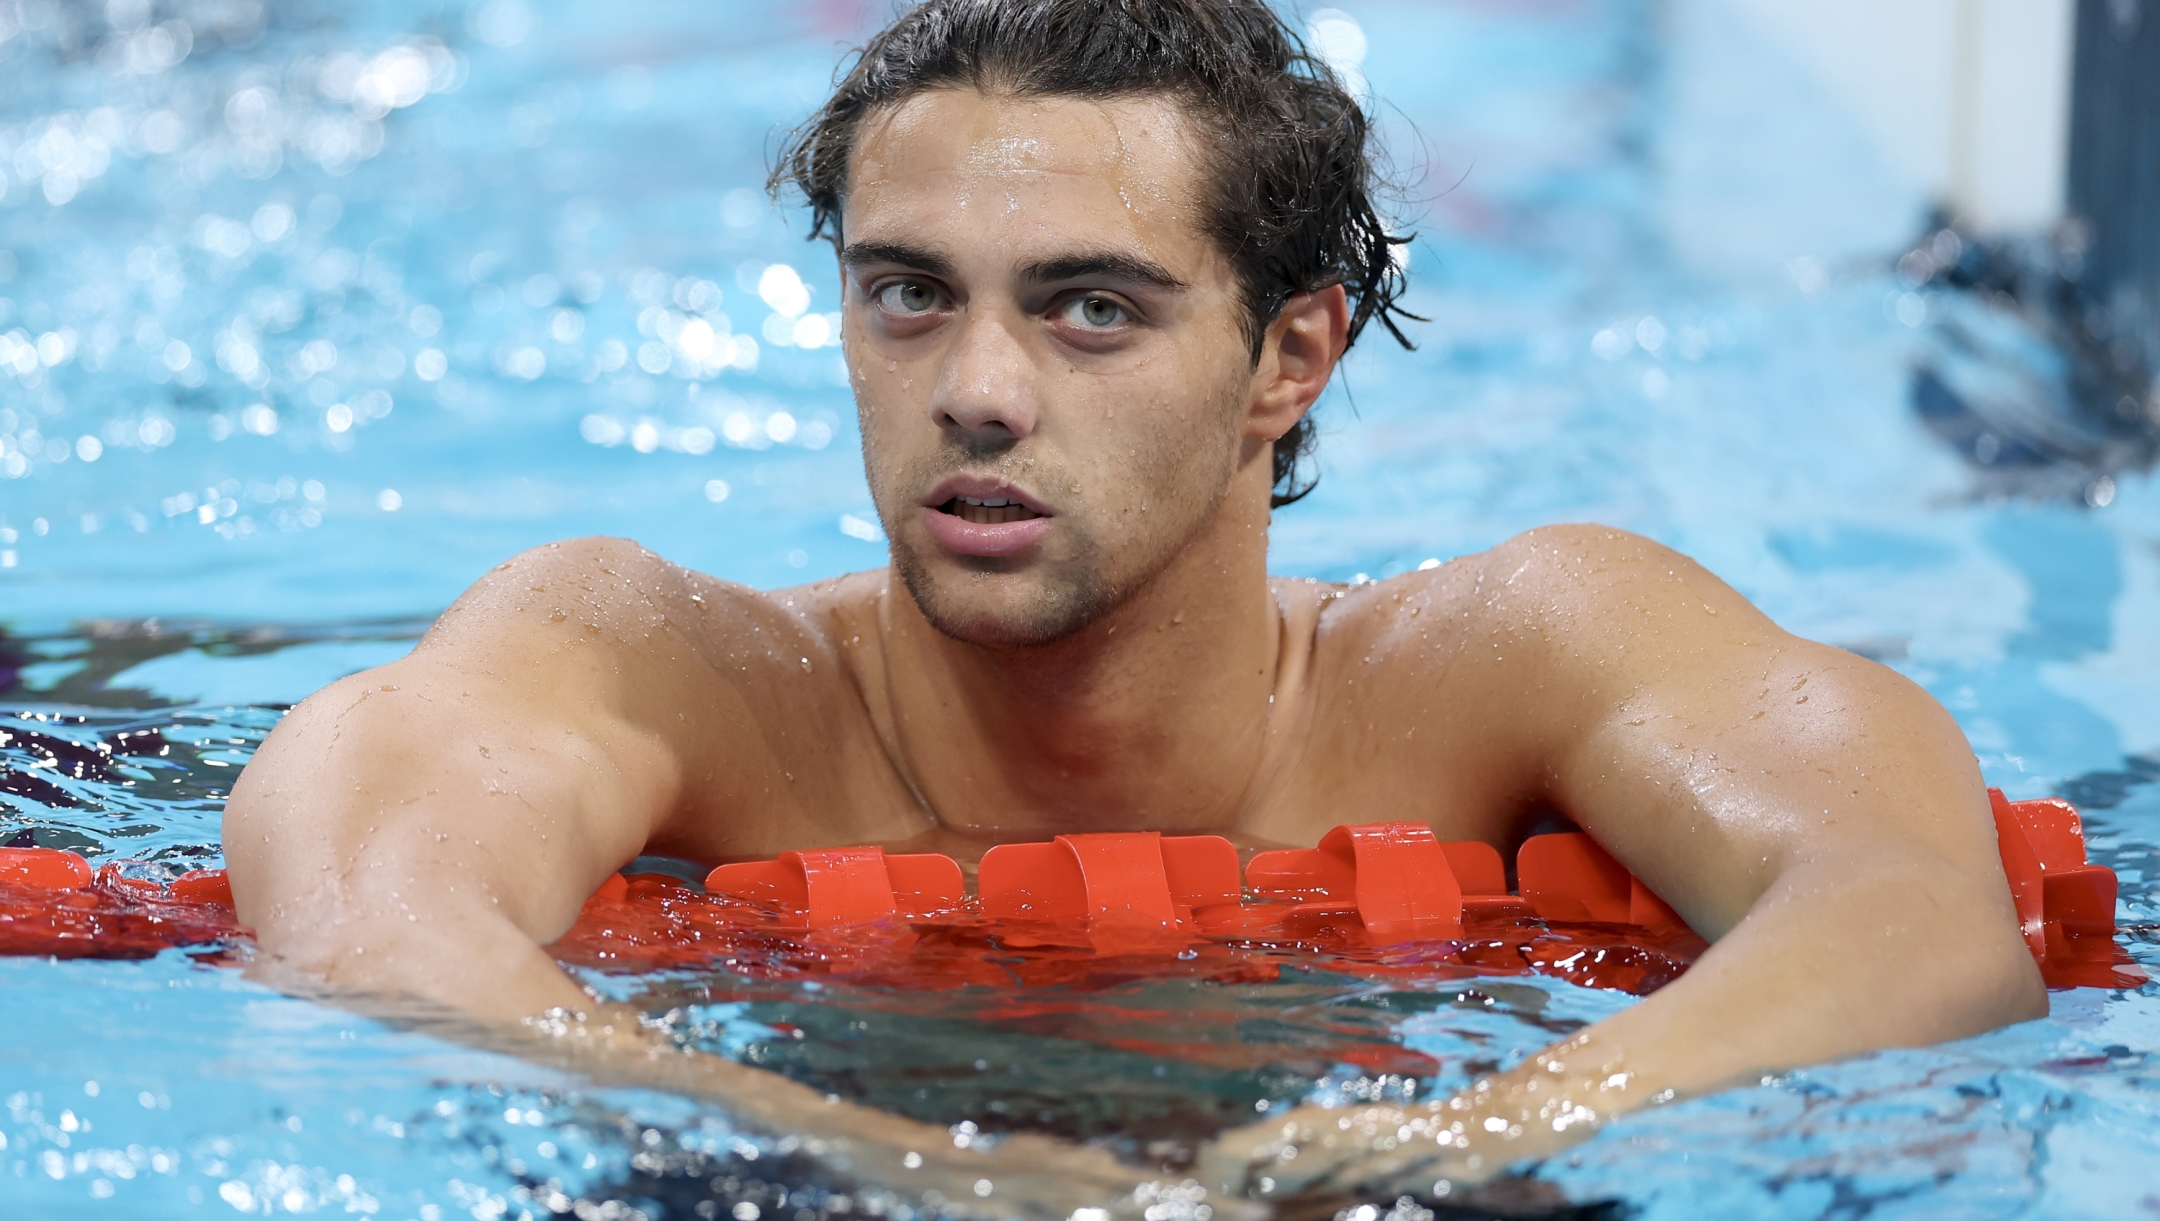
(1016, 1177)
(1818, 817)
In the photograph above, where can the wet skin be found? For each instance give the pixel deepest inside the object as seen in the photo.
(1033, 316)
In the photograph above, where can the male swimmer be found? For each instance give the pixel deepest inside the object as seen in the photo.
(1098, 258)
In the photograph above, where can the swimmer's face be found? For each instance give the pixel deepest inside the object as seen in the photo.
(1034, 316)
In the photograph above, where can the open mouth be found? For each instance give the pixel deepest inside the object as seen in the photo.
(987, 511)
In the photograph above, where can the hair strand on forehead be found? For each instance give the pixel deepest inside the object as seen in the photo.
(1291, 176)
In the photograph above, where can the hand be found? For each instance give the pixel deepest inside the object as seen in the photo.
(1429, 1150)
(1363, 1152)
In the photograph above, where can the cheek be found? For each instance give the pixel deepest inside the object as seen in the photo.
(886, 444)
(1172, 442)
(885, 393)
(1193, 416)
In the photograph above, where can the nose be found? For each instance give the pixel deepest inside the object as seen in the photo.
(984, 390)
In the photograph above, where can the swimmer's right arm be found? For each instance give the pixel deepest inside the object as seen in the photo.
(423, 828)
(409, 838)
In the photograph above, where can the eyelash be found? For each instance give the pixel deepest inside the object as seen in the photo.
(879, 297)
(1080, 302)
(879, 294)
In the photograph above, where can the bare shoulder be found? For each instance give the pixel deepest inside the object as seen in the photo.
(597, 584)
(753, 695)
(1565, 585)
(1453, 690)
(613, 591)
(1544, 633)
(1600, 570)
(605, 624)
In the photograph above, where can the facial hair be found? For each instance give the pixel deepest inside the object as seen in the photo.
(1075, 596)
(1080, 590)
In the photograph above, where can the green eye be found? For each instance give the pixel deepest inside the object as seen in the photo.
(908, 297)
(1097, 312)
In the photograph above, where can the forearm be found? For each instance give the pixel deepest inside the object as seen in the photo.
(525, 1006)
(472, 963)
(1838, 958)
(1015, 1176)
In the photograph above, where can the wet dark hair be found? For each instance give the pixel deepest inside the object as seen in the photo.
(1290, 196)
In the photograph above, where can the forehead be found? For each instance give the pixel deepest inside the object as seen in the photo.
(966, 169)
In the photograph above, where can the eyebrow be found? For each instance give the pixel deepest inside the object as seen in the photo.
(1102, 264)
(863, 254)
(1107, 265)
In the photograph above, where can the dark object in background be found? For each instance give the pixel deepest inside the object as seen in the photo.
(2043, 366)
(2115, 167)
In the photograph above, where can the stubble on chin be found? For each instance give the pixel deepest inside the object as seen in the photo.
(1057, 601)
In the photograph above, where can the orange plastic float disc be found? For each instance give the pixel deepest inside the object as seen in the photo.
(2043, 852)
(2079, 901)
(843, 887)
(768, 883)
(1477, 868)
(2051, 825)
(205, 886)
(1396, 876)
(1201, 869)
(1039, 882)
(43, 869)
(1405, 886)
(1302, 873)
(925, 883)
(1125, 880)
(1568, 877)
(1139, 879)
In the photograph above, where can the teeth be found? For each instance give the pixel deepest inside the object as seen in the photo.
(992, 503)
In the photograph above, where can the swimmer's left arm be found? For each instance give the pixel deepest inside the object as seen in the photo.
(1816, 816)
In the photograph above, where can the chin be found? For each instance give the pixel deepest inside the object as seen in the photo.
(1003, 610)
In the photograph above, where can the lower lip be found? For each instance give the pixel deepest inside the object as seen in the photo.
(956, 533)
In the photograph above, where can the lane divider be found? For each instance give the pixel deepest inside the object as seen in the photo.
(1394, 883)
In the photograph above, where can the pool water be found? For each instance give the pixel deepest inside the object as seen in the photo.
(311, 313)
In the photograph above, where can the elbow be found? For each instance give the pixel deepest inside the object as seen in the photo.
(302, 940)
(2024, 993)
(1987, 979)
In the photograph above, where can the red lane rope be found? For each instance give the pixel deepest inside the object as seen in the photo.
(1380, 900)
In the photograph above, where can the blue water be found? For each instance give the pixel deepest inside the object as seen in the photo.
(314, 313)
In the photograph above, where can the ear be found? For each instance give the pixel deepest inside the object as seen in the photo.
(1297, 356)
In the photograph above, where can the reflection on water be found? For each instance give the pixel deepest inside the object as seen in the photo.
(243, 242)
(311, 313)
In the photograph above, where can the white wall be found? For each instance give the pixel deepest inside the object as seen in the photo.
(1768, 163)
(1968, 100)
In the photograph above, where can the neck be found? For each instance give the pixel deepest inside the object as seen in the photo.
(1154, 717)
